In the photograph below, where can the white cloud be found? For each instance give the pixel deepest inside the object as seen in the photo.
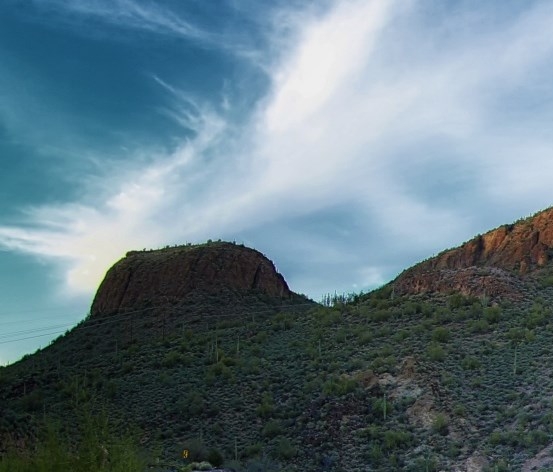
(366, 96)
(152, 17)
(146, 15)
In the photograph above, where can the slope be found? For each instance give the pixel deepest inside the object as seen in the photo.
(423, 380)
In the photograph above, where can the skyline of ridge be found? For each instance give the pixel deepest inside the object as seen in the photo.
(346, 139)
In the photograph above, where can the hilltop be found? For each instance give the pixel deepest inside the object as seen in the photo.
(175, 274)
(445, 368)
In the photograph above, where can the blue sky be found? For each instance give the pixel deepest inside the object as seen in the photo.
(345, 139)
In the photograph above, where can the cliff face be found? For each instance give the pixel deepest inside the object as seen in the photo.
(168, 275)
(490, 263)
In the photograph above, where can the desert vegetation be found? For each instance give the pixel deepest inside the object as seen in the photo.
(370, 381)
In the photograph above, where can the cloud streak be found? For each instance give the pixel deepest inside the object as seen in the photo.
(375, 111)
(149, 16)
(141, 15)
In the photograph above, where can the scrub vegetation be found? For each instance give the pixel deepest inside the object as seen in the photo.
(366, 382)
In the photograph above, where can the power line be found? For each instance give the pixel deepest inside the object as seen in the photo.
(121, 317)
(31, 320)
(34, 330)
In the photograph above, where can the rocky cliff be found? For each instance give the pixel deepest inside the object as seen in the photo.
(491, 263)
(168, 275)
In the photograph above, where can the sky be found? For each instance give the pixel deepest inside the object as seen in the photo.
(345, 139)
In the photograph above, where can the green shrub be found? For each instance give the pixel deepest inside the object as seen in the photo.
(440, 334)
(97, 449)
(364, 337)
(340, 386)
(470, 363)
(381, 315)
(492, 314)
(375, 453)
(440, 424)
(547, 281)
(383, 406)
(457, 300)
(214, 457)
(479, 326)
(285, 449)
(271, 429)
(171, 359)
(397, 439)
(435, 352)
(266, 407)
(459, 410)
(252, 450)
(191, 405)
(220, 370)
(476, 310)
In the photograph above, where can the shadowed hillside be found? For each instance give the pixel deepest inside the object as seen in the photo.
(245, 373)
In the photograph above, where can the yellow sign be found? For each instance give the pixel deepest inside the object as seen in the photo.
(185, 454)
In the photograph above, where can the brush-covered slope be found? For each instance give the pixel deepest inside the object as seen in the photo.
(147, 302)
(385, 382)
(491, 264)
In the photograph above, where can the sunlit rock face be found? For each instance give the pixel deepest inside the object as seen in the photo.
(488, 264)
(169, 275)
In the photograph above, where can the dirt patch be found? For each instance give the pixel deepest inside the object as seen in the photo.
(423, 411)
(539, 461)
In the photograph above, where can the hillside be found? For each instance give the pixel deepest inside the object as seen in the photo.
(489, 264)
(408, 377)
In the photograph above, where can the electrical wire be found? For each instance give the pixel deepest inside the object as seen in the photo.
(130, 315)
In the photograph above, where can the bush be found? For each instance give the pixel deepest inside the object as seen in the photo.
(265, 409)
(440, 335)
(383, 406)
(440, 424)
(456, 300)
(435, 352)
(375, 453)
(470, 363)
(272, 429)
(215, 458)
(171, 359)
(97, 450)
(492, 314)
(252, 450)
(479, 326)
(285, 449)
(191, 405)
(396, 439)
(381, 315)
(340, 386)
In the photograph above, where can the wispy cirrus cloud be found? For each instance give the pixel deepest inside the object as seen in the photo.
(160, 20)
(381, 111)
(136, 14)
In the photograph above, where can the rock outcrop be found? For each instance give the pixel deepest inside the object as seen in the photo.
(490, 263)
(171, 274)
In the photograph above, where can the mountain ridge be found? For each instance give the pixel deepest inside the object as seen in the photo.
(453, 378)
(488, 264)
